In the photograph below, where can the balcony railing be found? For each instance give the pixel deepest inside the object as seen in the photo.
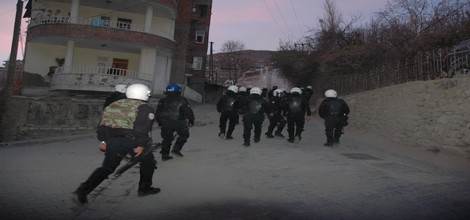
(103, 70)
(99, 23)
(95, 78)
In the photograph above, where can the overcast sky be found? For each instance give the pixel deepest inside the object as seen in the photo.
(259, 24)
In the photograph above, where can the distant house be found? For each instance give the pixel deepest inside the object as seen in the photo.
(89, 45)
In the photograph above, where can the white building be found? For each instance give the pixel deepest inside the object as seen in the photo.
(92, 45)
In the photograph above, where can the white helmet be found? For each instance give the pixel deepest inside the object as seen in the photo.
(330, 93)
(138, 91)
(277, 92)
(233, 89)
(120, 88)
(296, 90)
(242, 89)
(255, 90)
(309, 87)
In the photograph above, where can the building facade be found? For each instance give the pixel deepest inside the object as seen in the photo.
(92, 45)
(191, 43)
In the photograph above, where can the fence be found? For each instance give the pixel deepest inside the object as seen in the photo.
(424, 66)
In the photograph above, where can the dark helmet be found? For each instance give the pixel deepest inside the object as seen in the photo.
(274, 87)
(173, 87)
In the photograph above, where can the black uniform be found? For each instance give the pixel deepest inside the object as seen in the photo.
(296, 107)
(227, 106)
(174, 115)
(125, 125)
(253, 109)
(277, 119)
(307, 93)
(334, 111)
(113, 97)
(271, 92)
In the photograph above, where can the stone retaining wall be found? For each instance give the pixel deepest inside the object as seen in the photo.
(31, 117)
(431, 114)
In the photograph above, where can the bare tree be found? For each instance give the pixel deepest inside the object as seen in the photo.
(231, 59)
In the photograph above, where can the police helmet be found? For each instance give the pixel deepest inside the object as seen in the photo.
(173, 87)
(255, 90)
(296, 90)
(242, 89)
(309, 87)
(120, 88)
(330, 93)
(277, 92)
(138, 91)
(233, 88)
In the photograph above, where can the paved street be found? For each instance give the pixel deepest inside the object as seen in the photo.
(362, 178)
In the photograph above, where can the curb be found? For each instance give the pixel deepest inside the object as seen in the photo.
(46, 140)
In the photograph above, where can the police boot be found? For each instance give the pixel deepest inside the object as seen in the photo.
(336, 141)
(166, 157)
(222, 134)
(81, 193)
(146, 189)
(177, 153)
(165, 152)
(90, 184)
(329, 142)
(279, 134)
(246, 143)
(229, 134)
(269, 135)
(291, 138)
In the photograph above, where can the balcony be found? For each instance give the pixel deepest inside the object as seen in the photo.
(95, 22)
(95, 78)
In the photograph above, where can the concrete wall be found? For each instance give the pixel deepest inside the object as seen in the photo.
(31, 117)
(434, 115)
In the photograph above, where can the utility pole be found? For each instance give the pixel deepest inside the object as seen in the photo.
(8, 89)
(211, 63)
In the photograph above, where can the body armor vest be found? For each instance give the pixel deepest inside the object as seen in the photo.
(334, 107)
(121, 114)
(228, 104)
(295, 104)
(255, 106)
(171, 109)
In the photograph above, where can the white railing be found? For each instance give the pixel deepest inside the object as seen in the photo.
(103, 70)
(100, 23)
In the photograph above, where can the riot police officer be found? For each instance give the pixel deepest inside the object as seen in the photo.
(334, 111)
(307, 93)
(174, 114)
(277, 120)
(119, 93)
(253, 109)
(124, 129)
(297, 111)
(227, 106)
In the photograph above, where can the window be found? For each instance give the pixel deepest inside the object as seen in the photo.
(124, 23)
(197, 63)
(105, 21)
(102, 63)
(200, 36)
(202, 10)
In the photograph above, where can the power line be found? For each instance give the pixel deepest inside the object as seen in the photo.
(274, 18)
(296, 17)
(282, 16)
